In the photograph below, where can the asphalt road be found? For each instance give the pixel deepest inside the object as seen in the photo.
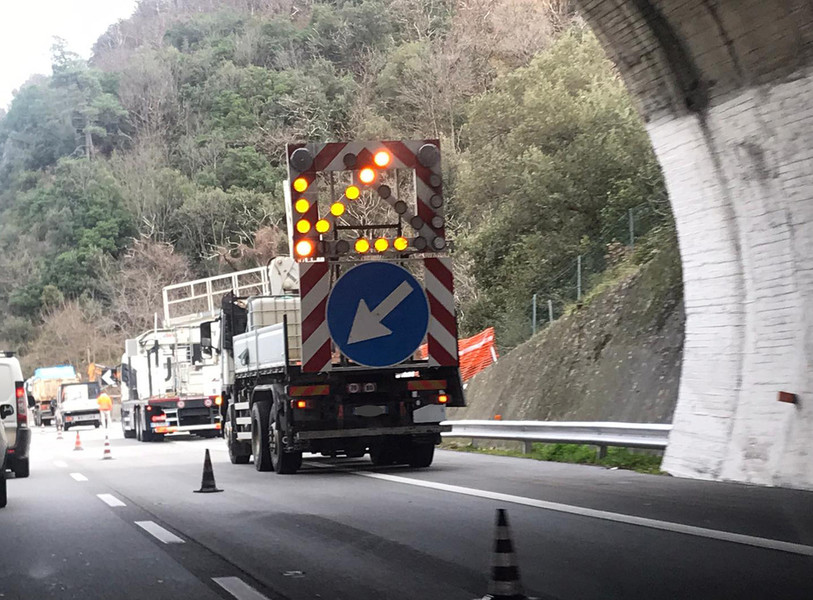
(347, 531)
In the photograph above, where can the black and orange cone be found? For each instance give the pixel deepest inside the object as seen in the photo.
(504, 583)
(78, 443)
(107, 455)
(207, 484)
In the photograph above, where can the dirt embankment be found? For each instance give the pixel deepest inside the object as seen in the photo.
(617, 358)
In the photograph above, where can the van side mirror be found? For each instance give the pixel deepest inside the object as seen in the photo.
(6, 410)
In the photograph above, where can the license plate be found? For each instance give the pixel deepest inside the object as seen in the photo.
(84, 417)
(370, 410)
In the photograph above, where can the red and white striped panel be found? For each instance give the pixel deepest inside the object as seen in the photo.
(442, 333)
(314, 288)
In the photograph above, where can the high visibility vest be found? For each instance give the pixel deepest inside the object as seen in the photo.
(105, 403)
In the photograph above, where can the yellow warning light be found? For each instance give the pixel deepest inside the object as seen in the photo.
(400, 244)
(322, 226)
(300, 184)
(302, 206)
(352, 192)
(337, 209)
(304, 248)
(303, 226)
(381, 244)
(362, 245)
(382, 158)
(367, 176)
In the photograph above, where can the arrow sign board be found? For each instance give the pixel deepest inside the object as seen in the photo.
(377, 314)
(107, 377)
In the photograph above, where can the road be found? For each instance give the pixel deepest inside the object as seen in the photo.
(347, 531)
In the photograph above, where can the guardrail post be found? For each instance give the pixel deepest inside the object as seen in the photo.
(529, 447)
(602, 452)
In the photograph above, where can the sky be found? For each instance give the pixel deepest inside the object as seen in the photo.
(27, 29)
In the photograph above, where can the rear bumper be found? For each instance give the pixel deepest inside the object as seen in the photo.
(22, 445)
(372, 432)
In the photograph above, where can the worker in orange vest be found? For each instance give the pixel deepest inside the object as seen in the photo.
(105, 403)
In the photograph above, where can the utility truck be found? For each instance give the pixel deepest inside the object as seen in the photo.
(168, 386)
(322, 354)
(44, 387)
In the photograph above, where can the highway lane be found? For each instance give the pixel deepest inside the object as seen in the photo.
(331, 532)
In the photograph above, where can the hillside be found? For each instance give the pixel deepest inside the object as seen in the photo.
(615, 359)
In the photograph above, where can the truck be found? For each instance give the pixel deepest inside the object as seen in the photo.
(77, 405)
(44, 388)
(168, 386)
(323, 355)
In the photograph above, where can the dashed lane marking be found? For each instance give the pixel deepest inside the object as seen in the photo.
(61, 464)
(238, 588)
(703, 532)
(79, 477)
(159, 532)
(110, 500)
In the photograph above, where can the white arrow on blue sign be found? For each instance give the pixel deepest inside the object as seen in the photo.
(377, 314)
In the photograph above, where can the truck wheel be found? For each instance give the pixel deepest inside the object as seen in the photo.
(285, 463)
(47, 422)
(420, 455)
(239, 453)
(259, 436)
(382, 454)
(3, 496)
(138, 426)
(128, 433)
(20, 468)
(38, 420)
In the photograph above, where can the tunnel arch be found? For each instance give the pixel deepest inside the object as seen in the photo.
(726, 90)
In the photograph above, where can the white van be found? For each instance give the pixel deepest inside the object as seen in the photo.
(15, 421)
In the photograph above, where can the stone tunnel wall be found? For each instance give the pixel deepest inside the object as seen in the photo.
(726, 89)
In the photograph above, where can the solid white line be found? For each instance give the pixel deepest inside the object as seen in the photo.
(238, 588)
(159, 532)
(714, 534)
(79, 477)
(110, 500)
(61, 464)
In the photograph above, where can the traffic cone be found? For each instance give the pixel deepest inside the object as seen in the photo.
(207, 484)
(504, 582)
(78, 443)
(58, 432)
(107, 455)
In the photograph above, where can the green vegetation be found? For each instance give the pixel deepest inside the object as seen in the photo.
(621, 458)
(167, 146)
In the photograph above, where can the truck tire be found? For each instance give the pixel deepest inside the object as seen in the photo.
(285, 463)
(3, 494)
(259, 436)
(38, 420)
(47, 422)
(128, 433)
(239, 452)
(383, 454)
(420, 456)
(20, 467)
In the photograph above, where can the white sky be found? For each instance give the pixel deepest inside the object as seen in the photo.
(27, 29)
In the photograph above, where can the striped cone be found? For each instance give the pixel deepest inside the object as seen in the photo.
(504, 582)
(58, 432)
(107, 455)
(207, 484)
(78, 443)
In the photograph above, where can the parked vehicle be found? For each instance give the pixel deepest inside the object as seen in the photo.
(76, 404)
(18, 435)
(44, 387)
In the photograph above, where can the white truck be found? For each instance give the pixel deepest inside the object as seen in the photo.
(168, 386)
(349, 346)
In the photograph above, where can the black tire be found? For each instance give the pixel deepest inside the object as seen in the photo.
(259, 436)
(129, 434)
(421, 455)
(47, 422)
(38, 420)
(285, 463)
(382, 454)
(138, 426)
(239, 452)
(3, 490)
(21, 468)
(65, 427)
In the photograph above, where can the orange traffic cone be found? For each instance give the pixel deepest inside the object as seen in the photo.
(207, 485)
(107, 455)
(78, 444)
(58, 432)
(504, 582)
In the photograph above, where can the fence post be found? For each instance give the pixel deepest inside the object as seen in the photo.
(579, 277)
(632, 229)
(550, 310)
(533, 318)
(529, 447)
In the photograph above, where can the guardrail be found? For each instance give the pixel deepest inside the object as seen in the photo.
(601, 434)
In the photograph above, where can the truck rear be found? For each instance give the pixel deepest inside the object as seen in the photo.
(44, 387)
(353, 350)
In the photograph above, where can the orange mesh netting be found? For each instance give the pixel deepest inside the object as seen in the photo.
(476, 353)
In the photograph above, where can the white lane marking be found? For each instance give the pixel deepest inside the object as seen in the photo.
(61, 464)
(714, 534)
(79, 477)
(159, 532)
(110, 500)
(238, 588)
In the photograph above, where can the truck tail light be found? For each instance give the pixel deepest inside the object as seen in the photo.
(443, 398)
(157, 418)
(301, 404)
(218, 400)
(22, 408)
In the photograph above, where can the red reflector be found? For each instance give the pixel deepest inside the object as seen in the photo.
(149, 407)
(218, 426)
(426, 384)
(309, 390)
(443, 398)
(156, 418)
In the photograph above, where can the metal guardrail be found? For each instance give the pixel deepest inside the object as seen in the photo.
(601, 434)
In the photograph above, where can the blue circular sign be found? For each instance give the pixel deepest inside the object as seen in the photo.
(377, 314)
